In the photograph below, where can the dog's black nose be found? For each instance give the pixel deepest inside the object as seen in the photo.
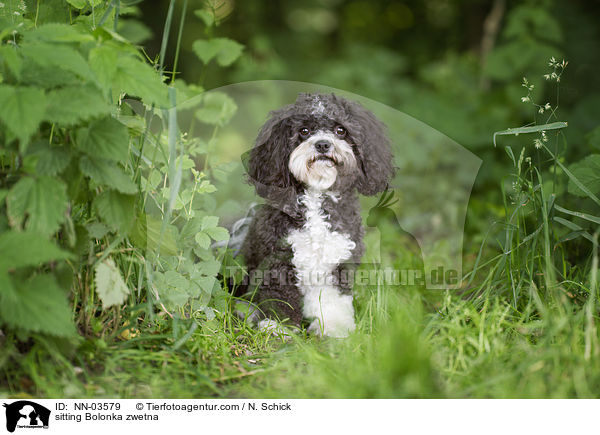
(322, 146)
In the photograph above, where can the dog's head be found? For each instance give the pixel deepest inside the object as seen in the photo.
(322, 142)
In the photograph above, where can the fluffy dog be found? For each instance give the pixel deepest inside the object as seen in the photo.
(309, 161)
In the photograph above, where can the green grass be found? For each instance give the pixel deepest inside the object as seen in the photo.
(408, 344)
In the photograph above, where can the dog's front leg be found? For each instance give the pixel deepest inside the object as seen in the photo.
(331, 311)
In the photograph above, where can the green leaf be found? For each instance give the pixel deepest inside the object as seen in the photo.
(206, 16)
(78, 4)
(106, 138)
(573, 178)
(18, 249)
(218, 108)
(209, 222)
(218, 233)
(39, 305)
(209, 268)
(116, 210)
(136, 78)
(110, 286)
(224, 49)
(205, 285)
(57, 56)
(73, 104)
(593, 138)
(22, 110)
(229, 51)
(172, 288)
(43, 200)
(58, 32)
(532, 129)
(46, 77)
(136, 32)
(11, 59)
(97, 230)
(203, 240)
(206, 50)
(587, 171)
(160, 237)
(108, 173)
(103, 61)
(206, 187)
(52, 160)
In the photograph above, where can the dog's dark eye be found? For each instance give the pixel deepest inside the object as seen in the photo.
(340, 131)
(304, 131)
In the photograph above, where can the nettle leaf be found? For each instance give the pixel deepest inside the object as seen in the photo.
(136, 78)
(20, 249)
(11, 60)
(206, 16)
(218, 108)
(78, 4)
(46, 77)
(225, 50)
(116, 210)
(110, 286)
(593, 138)
(587, 171)
(43, 200)
(103, 61)
(229, 51)
(57, 56)
(40, 305)
(97, 230)
(206, 50)
(73, 104)
(22, 110)
(57, 32)
(106, 138)
(52, 160)
(136, 32)
(108, 173)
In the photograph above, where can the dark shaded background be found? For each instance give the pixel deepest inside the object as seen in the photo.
(456, 65)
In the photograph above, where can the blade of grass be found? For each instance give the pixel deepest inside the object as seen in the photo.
(532, 129)
(181, 23)
(585, 216)
(165, 37)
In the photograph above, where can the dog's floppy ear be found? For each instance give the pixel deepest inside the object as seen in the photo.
(267, 163)
(373, 147)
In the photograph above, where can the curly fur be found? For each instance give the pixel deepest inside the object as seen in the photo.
(309, 227)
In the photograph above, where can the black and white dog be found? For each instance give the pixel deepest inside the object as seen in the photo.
(309, 161)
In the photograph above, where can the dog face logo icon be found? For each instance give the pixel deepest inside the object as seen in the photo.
(26, 414)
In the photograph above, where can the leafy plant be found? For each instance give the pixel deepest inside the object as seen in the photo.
(96, 179)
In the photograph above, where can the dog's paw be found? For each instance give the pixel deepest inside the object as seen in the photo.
(331, 329)
(274, 328)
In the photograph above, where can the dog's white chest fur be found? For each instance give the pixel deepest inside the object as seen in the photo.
(317, 252)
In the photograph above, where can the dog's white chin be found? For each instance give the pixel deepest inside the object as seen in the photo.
(319, 176)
